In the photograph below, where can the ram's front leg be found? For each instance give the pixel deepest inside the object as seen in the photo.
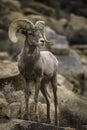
(27, 95)
(37, 88)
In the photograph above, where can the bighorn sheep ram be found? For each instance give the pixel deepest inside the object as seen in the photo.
(41, 66)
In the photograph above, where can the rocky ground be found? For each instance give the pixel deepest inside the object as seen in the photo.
(66, 27)
(72, 107)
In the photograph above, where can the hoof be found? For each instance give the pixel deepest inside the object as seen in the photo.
(57, 123)
(48, 121)
(37, 119)
(25, 117)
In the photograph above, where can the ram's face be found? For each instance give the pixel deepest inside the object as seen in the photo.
(34, 37)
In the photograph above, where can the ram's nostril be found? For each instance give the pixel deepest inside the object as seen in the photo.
(42, 41)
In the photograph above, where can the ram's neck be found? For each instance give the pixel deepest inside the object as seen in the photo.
(31, 52)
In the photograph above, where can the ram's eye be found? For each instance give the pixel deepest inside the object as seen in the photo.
(29, 33)
(22, 31)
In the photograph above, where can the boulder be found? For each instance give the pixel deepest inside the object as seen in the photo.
(8, 68)
(10, 17)
(4, 108)
(71, 67)
(15, 109)
(7, 5)
(70, 64)
(59, 49)
(18, 95)
(2, 95)
(42, 8)
(76, 31)
(72, 107)
(10, 86)
(12, 5)
(28, 11)
(4, 56)
(60, 44)
(16, 124)
(79, 37)
(34, 126)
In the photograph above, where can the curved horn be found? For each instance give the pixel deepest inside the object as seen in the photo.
(16, 25)
(40, 25)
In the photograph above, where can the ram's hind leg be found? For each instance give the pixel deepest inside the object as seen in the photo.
(37, 88)
(44, 92)
(54, 87)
